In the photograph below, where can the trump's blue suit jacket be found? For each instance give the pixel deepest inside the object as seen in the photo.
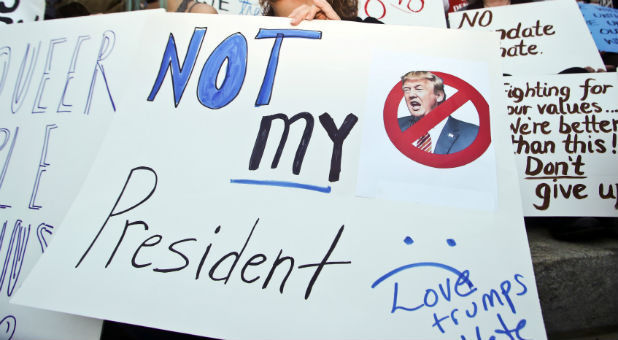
(456, 135)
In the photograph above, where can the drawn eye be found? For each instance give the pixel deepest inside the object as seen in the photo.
(451, 242)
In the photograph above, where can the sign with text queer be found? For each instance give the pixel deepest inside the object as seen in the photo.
(59, 89)
(564, 131)
(544, 37)
(222, 201)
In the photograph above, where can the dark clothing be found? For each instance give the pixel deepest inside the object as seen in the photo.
(455, 136)
(368, 20)
(478, 4)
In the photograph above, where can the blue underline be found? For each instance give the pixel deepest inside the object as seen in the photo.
(326, 189)
(423, 264)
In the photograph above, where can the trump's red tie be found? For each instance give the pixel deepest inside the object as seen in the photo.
(424, 143)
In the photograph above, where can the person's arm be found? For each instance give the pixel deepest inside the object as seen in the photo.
(196, 7)
(320, 9)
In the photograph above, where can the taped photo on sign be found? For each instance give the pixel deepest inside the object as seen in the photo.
(427, 136)
(423, 92)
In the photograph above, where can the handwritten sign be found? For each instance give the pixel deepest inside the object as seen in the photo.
(235, 7)
(544, 37)
(59, 90)
(404, 12)
(224, 195)
(21, 11)
(564, 131)
(603, 25)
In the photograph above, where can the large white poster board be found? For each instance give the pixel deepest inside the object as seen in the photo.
(190, 221)
(59, 89)
(564, 130)
(543, 37)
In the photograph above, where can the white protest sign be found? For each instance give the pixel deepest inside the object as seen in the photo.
(59, 89)
(544, 37)
(408, 12)
(210, 210)
(235, 7)
(17, 11)
(564, 135)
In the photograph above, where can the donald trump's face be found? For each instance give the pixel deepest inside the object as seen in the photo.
(420, 96)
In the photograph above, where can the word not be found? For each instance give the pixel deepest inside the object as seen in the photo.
(216, 269)
(232, 51)
(29, 61)
(336, 135)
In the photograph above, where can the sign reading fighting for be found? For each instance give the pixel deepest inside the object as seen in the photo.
(59, 90)
(544, 37)
(224, 192)
(564, 131)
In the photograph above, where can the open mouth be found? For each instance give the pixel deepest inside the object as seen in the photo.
(415, 105)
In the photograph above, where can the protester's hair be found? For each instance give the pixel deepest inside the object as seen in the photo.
(346, 9)
(438, 83)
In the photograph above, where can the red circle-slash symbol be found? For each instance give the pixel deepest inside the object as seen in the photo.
(403, 141)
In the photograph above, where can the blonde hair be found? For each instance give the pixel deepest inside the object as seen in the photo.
(438, 83)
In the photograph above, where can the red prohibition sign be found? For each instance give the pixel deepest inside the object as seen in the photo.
(403, 140)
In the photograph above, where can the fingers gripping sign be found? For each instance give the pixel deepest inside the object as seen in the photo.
(319, 9)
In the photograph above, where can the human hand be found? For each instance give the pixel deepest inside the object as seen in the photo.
(320, 9)
(592, 70)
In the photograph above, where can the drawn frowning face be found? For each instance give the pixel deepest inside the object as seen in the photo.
(420, 96)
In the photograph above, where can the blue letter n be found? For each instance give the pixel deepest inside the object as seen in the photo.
(180, 74)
